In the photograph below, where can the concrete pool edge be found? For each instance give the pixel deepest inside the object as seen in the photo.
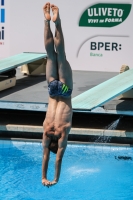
(74, 131)
(9, 140)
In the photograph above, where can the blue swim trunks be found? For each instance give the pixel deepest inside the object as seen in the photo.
(57, 88)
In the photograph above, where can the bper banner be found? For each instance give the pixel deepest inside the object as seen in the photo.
(98, 35)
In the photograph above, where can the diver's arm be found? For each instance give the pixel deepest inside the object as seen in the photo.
(45, 161)
(62, 144)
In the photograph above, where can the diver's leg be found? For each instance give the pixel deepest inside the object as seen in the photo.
(51, 67)
(64, 69)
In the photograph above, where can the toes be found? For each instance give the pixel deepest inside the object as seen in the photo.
(47, 6)
(52, 5)
(47, 3)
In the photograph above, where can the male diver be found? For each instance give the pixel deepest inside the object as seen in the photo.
(58, 120)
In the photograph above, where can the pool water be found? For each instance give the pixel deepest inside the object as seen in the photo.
(89, 172)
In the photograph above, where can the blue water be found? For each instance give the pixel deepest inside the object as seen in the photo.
(89, 172)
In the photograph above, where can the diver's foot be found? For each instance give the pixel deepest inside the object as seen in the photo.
(46, 11)
(55, 11)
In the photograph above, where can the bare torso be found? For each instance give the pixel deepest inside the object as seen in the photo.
(58, 118)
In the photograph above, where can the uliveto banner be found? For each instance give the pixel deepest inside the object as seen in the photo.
(105, 15)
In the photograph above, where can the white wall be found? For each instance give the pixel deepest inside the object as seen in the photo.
(26, 34)
(5, 43)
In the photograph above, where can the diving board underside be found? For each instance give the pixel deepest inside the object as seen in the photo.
(104, 92)
(12, 62)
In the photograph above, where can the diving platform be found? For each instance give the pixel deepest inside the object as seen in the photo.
(31, 64)
(15, 61)
(104, 92)
(93, 92)
(31, 94)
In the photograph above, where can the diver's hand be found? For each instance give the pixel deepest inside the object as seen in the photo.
(45, 182)
(53, 183)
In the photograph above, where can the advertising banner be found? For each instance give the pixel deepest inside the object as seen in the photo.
(108, 45)
(4, 28)
(98, 35)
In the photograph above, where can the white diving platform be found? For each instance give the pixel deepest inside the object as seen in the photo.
(104, 92)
